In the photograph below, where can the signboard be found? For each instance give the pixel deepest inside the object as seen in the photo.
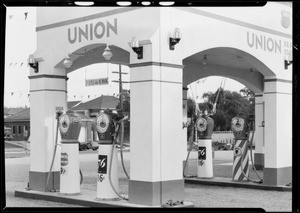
(95, 82)
(102, 164)
(201, 153)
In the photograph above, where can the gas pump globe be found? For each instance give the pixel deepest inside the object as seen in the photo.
(105, 128)
(69, 126)
(239, 128)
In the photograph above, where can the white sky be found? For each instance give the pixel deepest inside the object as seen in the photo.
(20, 42)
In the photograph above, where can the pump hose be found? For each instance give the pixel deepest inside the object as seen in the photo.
(54, 153)
(121, 143)
(109, 172)
(187, 157)
(251, 142)
(260, 181)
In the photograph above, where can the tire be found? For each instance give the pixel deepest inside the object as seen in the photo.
(89, 146)
(84, 147)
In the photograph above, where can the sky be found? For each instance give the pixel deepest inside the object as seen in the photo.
(20, 42)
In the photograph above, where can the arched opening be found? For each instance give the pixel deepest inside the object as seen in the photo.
(93, 85)
(227, 62)
(232, 64)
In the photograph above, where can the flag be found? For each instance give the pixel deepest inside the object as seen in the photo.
(21, 64)
(26, 13)
(11, 94)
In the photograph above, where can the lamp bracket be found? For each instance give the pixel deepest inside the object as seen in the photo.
(138, 51)
(173, 42)
(287, 63)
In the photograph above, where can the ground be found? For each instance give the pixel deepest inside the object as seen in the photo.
(17, 164)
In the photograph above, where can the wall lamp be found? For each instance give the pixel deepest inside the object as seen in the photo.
(204, 60)
(33, 63)
(68, 62)
(107, 54)
(136, 48)
(287, 63)
(175, 39)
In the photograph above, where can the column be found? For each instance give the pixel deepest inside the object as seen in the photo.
(278, 132)
(184, 120)
(47, 91)
(156, 133)
(259, 132)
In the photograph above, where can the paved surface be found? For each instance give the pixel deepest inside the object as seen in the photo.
(17, 171)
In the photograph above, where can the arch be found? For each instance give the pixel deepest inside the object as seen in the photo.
(92, 54)
(227, 62)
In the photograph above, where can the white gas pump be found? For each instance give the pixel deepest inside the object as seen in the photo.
(69, 126)
(205, 125)
(108, 180)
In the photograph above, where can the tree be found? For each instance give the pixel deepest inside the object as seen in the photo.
(229, 105)
(191, 104)
(126, 102)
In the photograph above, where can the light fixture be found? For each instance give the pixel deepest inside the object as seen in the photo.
(136, 48)
(175, 39)
(287, 63)
(204, 60)
(68, 62)
(84, 3)
(123, 3)
(107, 54)
(146, 3)
(166, 3)
(33, 63)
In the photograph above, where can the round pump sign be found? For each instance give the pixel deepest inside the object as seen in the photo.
(102, 123)
(238, 124)
(201, 124)
(64, 123)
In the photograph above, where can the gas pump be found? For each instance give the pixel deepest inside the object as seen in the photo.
(205, 125)
(107, 182)
(241, 157)
(69, 126)
(240, 150)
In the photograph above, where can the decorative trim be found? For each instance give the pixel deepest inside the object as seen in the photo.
(282, 93)
(278, 80)
(234, 21)
(155, 193)
(38, 180)
(172, 82)
(277, 176)
(69, 142)
(86, 18)
(152, 63)
(259, 161)
(48, 76)
(55, 90)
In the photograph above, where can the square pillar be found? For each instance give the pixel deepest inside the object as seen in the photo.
(259, 132)
(46, 93)
(184, 121)
(156, 134)
(278, 132)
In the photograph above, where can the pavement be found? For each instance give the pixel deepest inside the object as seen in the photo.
(201, 194)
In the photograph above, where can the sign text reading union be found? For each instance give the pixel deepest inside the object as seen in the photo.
(92, 30)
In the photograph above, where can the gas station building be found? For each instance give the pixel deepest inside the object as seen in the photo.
(241, 43)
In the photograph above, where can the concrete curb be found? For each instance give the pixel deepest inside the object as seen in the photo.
(227, 182)
(85, 198)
